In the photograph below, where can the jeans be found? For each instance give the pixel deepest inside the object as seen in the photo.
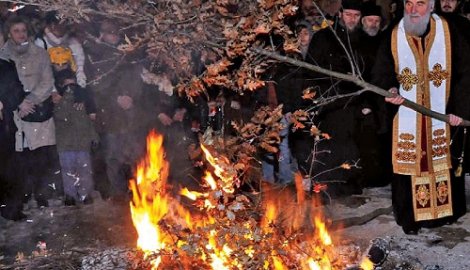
(76, 174)
(285, 162)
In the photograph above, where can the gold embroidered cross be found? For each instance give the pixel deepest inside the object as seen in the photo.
(406, 78)
(437, 75)
(442, 191)
(423, 195)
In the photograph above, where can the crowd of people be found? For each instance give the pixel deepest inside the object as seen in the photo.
(76, 112)
(73, 114)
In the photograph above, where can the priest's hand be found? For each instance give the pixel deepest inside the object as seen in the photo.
(454, 120)
(396, 98)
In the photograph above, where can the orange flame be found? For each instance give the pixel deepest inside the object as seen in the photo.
(269, 216)
(210, 180)
(222, 169)
(219, 257)
(313, 265)
(192, 195)
(278, 264)
(322, 232)
(366, 264)
(150, 201)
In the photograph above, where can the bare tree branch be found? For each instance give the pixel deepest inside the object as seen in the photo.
(365, 85)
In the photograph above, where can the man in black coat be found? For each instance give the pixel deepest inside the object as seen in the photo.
(338, 118)
(370, 136)
(11, 95)
(427, 59)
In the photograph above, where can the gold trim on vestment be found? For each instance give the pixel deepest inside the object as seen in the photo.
(406, 78)
(432, 196)
(431, 189)
(448, 82)
(395, 49)
(437, 75)
(408, 152)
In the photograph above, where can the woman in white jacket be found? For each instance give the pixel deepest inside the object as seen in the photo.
(56, 35)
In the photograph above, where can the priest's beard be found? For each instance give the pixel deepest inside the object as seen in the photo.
(371, 31)
(416, 29)
(351, 28)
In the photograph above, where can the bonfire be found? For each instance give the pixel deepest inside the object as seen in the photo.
(228, 229)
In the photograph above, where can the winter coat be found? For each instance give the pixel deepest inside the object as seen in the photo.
(111, 75)
(35, 73)
(11, 93)
(326, 52)
(49, 40)
(289, 87)
(340, 117)
(74, 129)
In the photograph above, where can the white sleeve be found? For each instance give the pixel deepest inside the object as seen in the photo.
(78, 53)
(79, 57)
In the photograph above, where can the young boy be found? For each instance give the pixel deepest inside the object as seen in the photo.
(74, 110)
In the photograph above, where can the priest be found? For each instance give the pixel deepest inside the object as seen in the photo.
(425, 60)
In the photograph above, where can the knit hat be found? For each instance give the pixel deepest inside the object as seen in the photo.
(61, 56)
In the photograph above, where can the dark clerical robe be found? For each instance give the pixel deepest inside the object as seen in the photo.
(340, 118)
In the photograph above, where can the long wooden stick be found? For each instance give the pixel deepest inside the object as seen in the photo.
(365, 85)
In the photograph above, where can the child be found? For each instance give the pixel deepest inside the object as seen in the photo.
(74, 110)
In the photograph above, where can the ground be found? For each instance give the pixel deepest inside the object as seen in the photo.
(106, 224)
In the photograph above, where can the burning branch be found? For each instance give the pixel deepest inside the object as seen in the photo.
(225, 233)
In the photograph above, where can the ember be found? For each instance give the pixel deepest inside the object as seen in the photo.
(225, 233)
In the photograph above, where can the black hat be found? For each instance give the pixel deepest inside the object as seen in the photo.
(371, 9)
(52, 17)
(351, 4)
